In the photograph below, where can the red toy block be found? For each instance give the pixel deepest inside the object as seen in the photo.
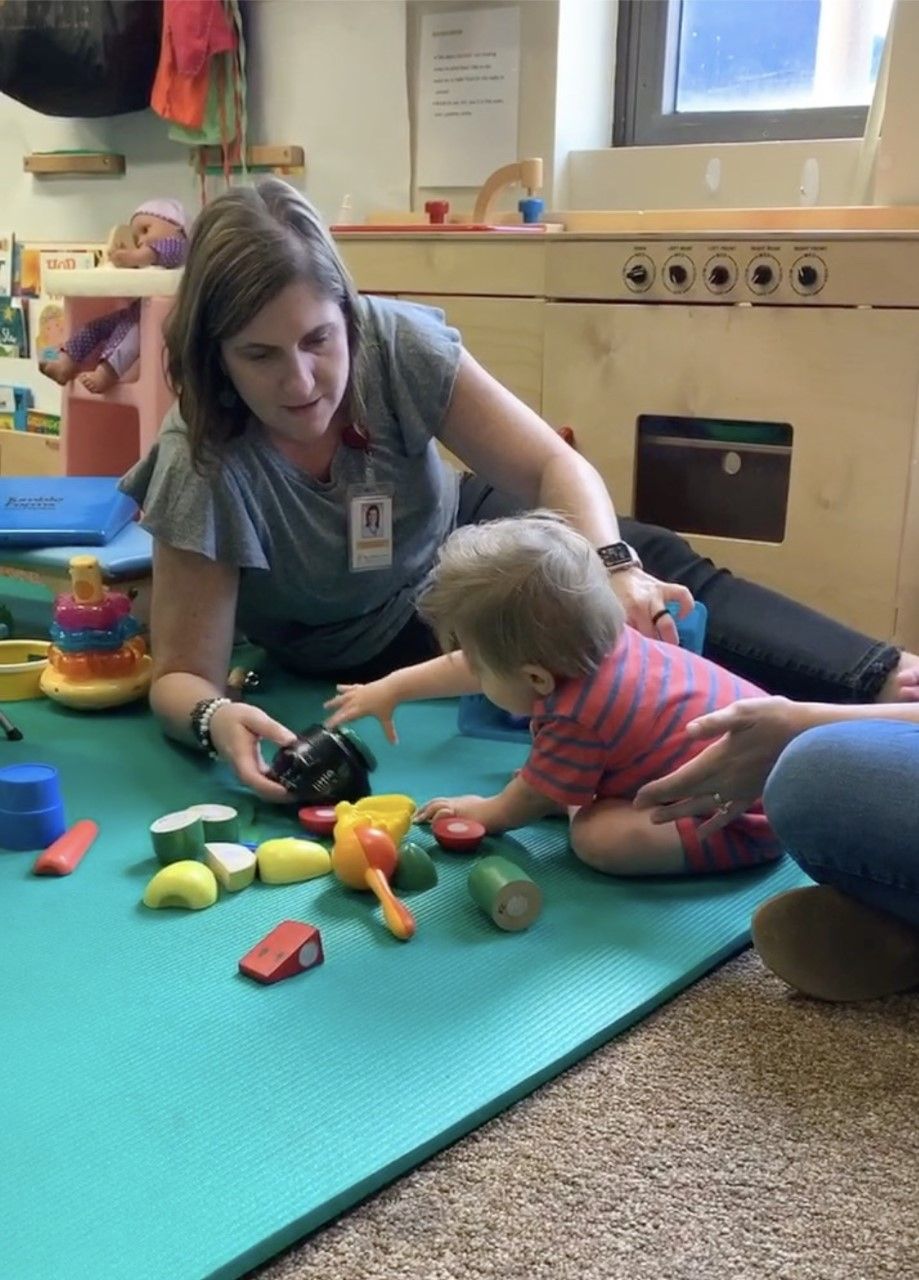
(290, 948)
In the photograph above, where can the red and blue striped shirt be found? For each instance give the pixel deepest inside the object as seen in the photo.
(608, 733)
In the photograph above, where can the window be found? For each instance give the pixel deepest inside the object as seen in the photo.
(745, 70)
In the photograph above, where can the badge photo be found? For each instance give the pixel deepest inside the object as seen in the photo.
(370, 529)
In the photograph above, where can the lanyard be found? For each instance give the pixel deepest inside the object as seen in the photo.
(353, 437)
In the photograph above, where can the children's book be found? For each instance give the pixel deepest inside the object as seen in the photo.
(41, 423)
(14, 339)
(15, 405)
(55, 511)
(30, 259)
(7, 248)
(46, 327)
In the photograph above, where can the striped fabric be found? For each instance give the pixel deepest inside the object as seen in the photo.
(609, 733)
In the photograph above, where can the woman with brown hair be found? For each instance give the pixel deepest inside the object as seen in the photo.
(298, 403)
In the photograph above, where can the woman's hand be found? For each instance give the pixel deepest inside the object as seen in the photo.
(730, 775)
(236, 730)
(644, 598)
(356, 700)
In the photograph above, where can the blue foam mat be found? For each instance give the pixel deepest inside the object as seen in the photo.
(163, 1117)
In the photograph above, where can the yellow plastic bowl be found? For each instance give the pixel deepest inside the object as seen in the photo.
(21, 668)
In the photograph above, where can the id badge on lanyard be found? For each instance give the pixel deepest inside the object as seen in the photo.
(370, 533)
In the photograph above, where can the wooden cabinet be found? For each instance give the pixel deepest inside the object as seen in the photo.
(608, 367)
(812, 494)
(494, 292)
(23, 453)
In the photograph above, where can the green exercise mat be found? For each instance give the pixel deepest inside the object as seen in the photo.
(163, 1116)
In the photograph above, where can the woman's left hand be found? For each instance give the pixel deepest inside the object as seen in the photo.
(645, 598)
(730, 775)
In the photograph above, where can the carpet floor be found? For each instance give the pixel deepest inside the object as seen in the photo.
(740, 1131)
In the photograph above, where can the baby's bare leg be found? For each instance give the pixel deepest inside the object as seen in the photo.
(613, 837)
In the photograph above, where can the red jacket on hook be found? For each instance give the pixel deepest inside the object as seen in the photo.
(193, 32)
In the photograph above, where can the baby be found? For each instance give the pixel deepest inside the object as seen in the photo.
(159, 231)
(526, 607)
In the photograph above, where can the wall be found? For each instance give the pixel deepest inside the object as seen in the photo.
(584, 95)
(538, 52)
(749, 175)
(337, 76)
(330, 74)
(299, 51)
(567, 56)
(567, 70)
(84, 208)
(726, 175)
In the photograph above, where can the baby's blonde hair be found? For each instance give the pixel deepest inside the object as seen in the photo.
(525, 589)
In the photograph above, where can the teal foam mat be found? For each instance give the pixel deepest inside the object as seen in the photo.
(164, 1117)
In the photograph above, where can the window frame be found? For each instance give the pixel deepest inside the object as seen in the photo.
(646, 84)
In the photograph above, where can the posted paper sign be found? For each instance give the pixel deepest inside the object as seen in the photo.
(468, 90)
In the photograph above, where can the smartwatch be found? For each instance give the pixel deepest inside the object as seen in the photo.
(619, 555)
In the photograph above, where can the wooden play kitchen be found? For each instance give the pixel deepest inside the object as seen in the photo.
(749, 378)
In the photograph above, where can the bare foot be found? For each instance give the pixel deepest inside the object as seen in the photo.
(101, 379)
(902, 685)
(62, 369)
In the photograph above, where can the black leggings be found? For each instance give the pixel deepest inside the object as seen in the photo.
(779, 645)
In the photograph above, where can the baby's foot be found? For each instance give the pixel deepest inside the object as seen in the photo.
(902, 685)
(62, 369)
(101, 379)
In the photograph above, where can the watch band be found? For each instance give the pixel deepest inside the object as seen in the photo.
(619, 555)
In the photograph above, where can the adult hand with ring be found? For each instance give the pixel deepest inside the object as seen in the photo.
(749, 737)
(645, 601)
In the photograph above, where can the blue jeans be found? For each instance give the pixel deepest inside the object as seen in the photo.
(844, 800)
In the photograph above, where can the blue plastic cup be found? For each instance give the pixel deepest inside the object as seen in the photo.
(31, 808)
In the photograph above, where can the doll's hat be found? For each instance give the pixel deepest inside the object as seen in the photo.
(168, 210)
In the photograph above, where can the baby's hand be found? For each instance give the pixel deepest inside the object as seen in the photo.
(356, 700)
(140, 257)
(472, 808)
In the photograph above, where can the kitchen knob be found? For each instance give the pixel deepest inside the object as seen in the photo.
(719, 276)
(677, 273)
(762, 275)
(807, 277)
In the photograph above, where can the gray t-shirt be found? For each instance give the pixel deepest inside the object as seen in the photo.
(288, 533)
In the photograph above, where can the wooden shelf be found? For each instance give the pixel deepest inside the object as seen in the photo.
(259, 158)
(78, 164)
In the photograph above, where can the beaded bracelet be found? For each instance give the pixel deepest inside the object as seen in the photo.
(201, 716)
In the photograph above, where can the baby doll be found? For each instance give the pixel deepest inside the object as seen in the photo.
(159, 232)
